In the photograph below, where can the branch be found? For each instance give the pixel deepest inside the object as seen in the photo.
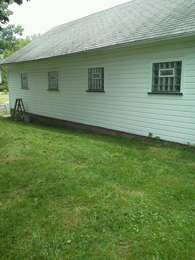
(19, 2)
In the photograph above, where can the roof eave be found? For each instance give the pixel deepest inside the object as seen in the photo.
(144, 41)
(113, 47)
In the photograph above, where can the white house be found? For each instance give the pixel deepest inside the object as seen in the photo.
(130, 68)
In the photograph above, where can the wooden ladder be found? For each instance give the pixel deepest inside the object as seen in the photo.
(19, 109)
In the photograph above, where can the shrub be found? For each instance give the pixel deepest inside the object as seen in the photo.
(2, 88)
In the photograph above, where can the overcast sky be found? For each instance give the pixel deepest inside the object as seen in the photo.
(38, 16)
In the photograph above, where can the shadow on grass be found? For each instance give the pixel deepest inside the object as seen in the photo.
(138, 142)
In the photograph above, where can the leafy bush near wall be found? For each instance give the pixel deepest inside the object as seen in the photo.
(2, 87)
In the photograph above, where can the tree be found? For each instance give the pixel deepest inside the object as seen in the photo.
(19, 44)
(5, 12)
(8, 40)
(8, 33)
(8, 37)
(19, 2)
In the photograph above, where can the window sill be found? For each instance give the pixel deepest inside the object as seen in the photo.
(52, 89)
(101, 91)
(166, 93)
(25, 88)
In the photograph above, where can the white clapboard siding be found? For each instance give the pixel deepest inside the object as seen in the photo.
(126, 105)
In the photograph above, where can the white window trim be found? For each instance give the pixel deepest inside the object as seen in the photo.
(168, 60)
(166, 76)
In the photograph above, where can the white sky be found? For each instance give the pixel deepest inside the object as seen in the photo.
(39, 16)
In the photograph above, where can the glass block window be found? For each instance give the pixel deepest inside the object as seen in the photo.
(53, 80)
(96, 79)
(166, 77)
(24, 80)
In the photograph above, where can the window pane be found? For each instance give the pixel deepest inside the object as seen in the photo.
(24, 80)
(96, 79)
(53, 80)
(166, 77)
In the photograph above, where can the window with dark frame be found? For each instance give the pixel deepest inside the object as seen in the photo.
(53, 80)
(96, 79)
(166, 77)
(24, 80)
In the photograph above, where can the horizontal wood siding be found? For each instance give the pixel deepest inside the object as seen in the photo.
(126, 105)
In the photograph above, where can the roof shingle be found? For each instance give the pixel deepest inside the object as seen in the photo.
(130, 23)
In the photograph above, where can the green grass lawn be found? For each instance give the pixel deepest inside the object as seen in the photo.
(67, 194)
(3, 97)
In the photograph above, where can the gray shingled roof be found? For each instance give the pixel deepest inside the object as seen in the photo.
(131, 23)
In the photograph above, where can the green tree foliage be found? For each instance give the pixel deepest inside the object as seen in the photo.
(5, 12)
(19, 2)
(19, 44)
(8, 35)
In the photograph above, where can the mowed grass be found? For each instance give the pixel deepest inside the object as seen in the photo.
(3, 98)
(68, 194)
